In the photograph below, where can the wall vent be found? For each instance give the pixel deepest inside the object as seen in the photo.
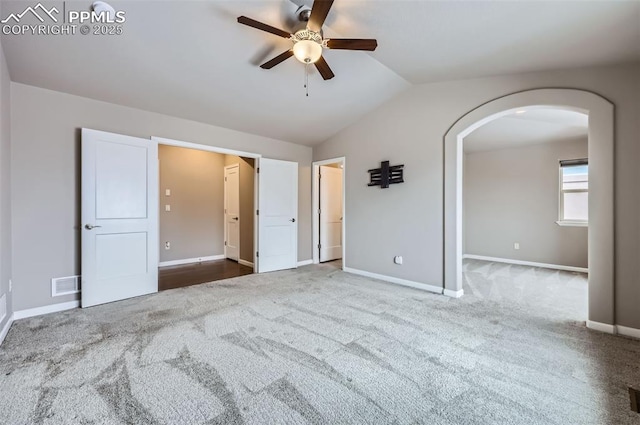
(65, 285)
(3, 307)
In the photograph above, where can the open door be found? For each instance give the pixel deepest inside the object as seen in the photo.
(119, 217)
(277, 215)
(330, 213)
(232, 212)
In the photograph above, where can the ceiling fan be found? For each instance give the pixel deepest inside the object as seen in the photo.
(309, 41)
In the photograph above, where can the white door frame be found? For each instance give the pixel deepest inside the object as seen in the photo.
(227, 167)
(224, 151)
(601, 189)
(315, 205)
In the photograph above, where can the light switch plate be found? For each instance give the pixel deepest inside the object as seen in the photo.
(167, 208)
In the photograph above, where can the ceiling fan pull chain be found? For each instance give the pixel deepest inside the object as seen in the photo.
(306, 78)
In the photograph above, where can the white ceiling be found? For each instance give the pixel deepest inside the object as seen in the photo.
(534, 126)
(426, 41)
(191, 59)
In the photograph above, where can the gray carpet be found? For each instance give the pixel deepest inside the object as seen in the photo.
(318, 345)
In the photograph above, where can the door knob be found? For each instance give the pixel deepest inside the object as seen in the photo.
(293, 220)
(235, 218)
(90, 226)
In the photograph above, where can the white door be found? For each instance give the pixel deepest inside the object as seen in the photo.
(232, 211)
(119, 217)
(278, 215)
(330, 213)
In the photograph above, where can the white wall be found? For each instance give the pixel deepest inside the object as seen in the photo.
(511, 195)
(45, 178)
(5, 187)
(407, 219)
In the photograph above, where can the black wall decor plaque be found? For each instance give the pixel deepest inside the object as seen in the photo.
(386, 175)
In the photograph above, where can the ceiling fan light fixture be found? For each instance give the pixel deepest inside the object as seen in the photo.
(307, 51)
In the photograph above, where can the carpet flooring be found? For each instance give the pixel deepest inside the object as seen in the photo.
(320, 346)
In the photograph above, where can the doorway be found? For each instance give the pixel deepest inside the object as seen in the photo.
(206, 216)
(328, 195)
(525, 209)
(601, 257)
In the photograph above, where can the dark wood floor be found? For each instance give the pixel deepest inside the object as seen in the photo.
(192, 274)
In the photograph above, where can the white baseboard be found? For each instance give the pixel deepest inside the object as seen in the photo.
(601, 327)
(5, 329)
(626, 331)
(453, 294)
(245, 263)
(191, 260)
(304, 263)
(614, 329)
(38, 311)
(398, 281)
(526, 263)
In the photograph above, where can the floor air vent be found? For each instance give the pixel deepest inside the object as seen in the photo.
(65, 285)
(634, 395)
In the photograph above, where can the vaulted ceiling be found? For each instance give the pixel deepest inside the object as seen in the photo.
(530, 126)
(191, 59)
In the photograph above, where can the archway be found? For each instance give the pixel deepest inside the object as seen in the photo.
(601, 189)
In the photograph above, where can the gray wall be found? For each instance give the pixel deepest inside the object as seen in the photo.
(45, 178)
(195, 224)
(247, 183)
(5, 185)
(409, 129)
(511, 195)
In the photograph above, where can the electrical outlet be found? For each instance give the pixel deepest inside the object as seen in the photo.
(167, 245)
(516, 245)
(398, 259)
(167, 208)
(167, 192)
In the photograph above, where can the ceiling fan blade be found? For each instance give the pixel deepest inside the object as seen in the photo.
(323, 68)
(275, 61)
(319, 13)
(264, 27)
(352, 44)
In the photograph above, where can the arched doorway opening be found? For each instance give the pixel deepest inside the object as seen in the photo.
(601, 210)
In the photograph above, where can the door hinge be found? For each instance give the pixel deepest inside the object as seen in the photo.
(319, 211)
(257, 254)
(225, 210)
(225, 243)
(258, 170)
(257, 212)
(319, 246)
(225, 179)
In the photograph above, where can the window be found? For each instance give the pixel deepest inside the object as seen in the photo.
(574, 192)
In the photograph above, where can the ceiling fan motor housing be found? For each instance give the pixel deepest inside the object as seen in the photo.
(303, 13)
